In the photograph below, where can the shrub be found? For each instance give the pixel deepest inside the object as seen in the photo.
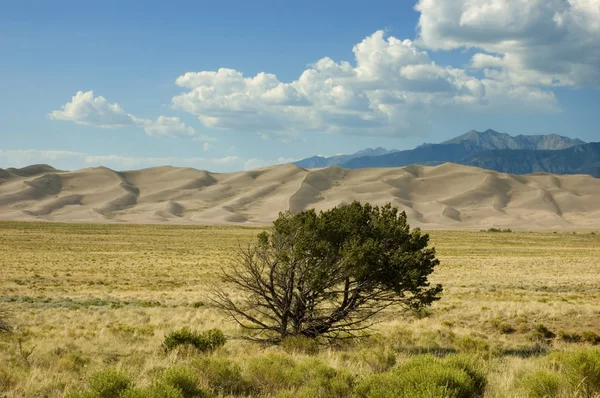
(590, 337)
(426, 376)
(106, 383)
(300, 344)
(502, 326)
(543, 384)
(203, 342)
(471, 344)
(185, 380)
(568, 337)
(272, 372)
(312, 378)
(507, 230)
(542, 333)
(156, 390)
(567, 374)
(582, 370)
(221, 376)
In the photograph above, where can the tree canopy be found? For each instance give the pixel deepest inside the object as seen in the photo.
(329, 273)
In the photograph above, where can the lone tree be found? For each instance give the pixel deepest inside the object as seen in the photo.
(329, 274)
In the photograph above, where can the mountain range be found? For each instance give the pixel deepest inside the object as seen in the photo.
(489, 149)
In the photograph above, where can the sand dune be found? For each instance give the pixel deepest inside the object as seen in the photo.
(444, 196)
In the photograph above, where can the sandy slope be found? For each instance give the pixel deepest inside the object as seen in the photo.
(445, 196)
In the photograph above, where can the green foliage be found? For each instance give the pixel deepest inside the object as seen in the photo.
(582, 370)
(106, 383)
(312, 378)
(542, 384)
(327, 274)
(203, 342)
(542, 333)
(471, 344)
(156, 390)
(590, 337)
(426, 376)
(184, 380)
(221, 376)
(565, 374)
(568, 337)
(502, 326)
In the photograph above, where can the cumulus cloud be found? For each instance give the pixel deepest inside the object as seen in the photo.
(526, 42)
(26, 157)
(89, 110)
(394, 88)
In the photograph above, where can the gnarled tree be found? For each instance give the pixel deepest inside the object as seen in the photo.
(329, 273)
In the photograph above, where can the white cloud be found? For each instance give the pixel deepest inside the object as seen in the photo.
(535, 42)
(394, 88)
(26, 157)
(87, 109)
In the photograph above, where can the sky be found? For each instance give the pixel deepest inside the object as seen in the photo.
(233, 85)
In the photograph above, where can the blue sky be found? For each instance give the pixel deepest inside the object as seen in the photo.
(218, 86)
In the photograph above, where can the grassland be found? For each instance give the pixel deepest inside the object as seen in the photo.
(92, 297)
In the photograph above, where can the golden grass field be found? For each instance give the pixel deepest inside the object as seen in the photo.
(88, 297)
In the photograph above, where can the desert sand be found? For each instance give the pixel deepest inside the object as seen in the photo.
(445, 196)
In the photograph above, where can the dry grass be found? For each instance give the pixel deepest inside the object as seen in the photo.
(87, 297)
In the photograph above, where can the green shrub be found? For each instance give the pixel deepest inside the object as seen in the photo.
(156, 390)
(106, 383)
(275, 373)
(203, 342)
(321, 380)
(426, 376)
(502, 326)
(185, 380)
(566, 374)
(471, 344)
(582, 370)
(272, 372)
(590, 337)
(568, 337)
(221, 376)
(543, 384)
(542, 333)
(300, 344)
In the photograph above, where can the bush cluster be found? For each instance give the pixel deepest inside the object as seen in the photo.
(427, 376)
(565, 374)
(203, 342)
